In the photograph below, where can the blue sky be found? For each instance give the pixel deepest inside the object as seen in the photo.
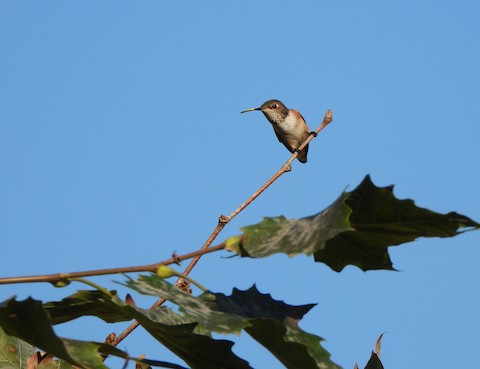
(121, 141)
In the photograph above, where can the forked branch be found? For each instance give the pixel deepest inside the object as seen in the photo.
(224, 220)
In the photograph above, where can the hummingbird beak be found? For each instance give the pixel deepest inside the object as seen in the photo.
(251, 109)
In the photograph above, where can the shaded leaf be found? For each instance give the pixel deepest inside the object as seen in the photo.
(197, 350)
(356, 229)
(293, 236)
(272, 323)
(179, 333)
(14, 353)
(381, 220)
(197, 309)
(28, 321)
(275, 326)
(84, 303)
(374, 362)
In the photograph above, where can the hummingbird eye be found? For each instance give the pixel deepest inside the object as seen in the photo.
(274, 106)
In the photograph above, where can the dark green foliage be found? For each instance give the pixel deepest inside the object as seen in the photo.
(356, 229)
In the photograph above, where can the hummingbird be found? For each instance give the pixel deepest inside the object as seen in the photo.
(288, 124)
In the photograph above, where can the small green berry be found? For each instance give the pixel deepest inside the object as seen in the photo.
(164, 271)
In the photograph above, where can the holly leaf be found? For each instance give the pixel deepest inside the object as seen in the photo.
(356, 229)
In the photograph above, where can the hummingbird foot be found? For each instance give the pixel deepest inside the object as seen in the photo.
(313, 133)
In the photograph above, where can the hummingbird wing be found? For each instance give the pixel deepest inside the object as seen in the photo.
(301, 116)
(282, 138)
(292, 142)
(302, 156)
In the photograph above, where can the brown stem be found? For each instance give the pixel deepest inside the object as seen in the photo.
(52, 278)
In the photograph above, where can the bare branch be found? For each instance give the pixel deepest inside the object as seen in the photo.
(52, 278)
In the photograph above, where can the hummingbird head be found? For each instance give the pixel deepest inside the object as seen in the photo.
(274, 111)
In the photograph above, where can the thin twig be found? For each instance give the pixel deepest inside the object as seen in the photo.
(52, 278)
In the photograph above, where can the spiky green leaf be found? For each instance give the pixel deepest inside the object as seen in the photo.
(356, 229)
(28, 321)
(272, 323)
(177, 332)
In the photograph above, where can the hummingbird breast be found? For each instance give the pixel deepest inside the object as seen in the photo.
(291, 131)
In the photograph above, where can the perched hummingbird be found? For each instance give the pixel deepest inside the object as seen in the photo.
(288, 124)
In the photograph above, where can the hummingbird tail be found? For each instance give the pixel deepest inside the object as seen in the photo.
(302, 158)
(302, 155)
